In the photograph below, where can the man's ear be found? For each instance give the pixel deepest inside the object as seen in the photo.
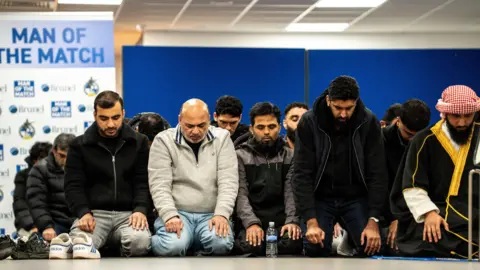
(285, 123)
(215, 116)
(328, 100)
(250, 128)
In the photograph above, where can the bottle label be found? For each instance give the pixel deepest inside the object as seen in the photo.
(271, 238)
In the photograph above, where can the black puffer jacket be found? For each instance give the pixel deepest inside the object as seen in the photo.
(46, 195)
(312, 148)
(23, 218)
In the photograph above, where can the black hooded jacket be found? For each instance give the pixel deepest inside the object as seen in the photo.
(312, 149)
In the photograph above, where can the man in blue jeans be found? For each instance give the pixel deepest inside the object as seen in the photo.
(193, 178)
(339, 170)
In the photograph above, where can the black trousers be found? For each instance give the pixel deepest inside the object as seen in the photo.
(286, 246)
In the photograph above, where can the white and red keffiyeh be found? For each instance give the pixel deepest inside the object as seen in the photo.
(458, 99)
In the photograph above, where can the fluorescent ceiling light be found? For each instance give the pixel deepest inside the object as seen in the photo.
(317, 27)
(91, 2)
(349, 3)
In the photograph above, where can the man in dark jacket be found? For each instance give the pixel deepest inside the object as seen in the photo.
(414, 116)
(339, 170)
(228, 114)
(23, 219)
(106, 180)
(45, 192)
(265, 193)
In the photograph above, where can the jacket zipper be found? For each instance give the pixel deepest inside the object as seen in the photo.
(326, 161)
(356, 155)
(114, 169)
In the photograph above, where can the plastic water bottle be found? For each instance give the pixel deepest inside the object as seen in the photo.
(271, 242)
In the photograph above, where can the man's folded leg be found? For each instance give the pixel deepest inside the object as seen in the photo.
(103, 227)
(288, 246)
(207, 242)
(243, 247)
(168, 244)
(133, 243)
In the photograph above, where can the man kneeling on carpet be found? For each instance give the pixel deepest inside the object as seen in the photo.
(265, 194)
(106, 184)
(193, 177)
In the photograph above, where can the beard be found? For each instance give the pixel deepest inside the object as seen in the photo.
(459, 136)
(291, 134)
(341, 124)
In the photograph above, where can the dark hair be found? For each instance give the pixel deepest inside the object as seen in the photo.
(229, 105)
(415, 114)
(264, 108)
(295, 105)
(152, 124)
(39, 150)
(63, 141)
(107, 99)
(343, 88)
(392, 112)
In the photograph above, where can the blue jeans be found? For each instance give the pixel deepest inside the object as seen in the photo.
(352, 216)
(195, 233)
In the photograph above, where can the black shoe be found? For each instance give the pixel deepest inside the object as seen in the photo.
(34, 248)
(37, 248)
(20, 250)
(6, 247)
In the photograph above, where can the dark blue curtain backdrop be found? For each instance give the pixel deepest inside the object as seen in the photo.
(389, 76)
(160, 79)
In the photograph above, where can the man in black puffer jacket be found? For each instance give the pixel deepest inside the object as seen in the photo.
(45, 192)
(339, 170)
(23, 218)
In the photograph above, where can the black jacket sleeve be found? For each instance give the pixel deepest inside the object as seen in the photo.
(75, 181)
(23, 219)
(304, 167)
(37, 197)
(142, 201)
(376, 174)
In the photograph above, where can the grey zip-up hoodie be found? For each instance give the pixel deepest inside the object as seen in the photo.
(265, 192)
(178, 182)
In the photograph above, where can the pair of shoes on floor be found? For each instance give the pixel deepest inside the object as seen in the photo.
(81, 247)
(33, 247)
(6, 246)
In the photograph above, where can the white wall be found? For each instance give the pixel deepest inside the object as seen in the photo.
(312, 41)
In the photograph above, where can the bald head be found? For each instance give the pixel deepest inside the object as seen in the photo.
(194, 119)
(194, 105)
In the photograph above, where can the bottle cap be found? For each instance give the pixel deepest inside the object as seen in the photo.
(271, 224)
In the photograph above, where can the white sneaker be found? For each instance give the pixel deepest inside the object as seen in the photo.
(61, 247)
(83, 247)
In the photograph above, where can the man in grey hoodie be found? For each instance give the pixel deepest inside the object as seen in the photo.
(193, 178)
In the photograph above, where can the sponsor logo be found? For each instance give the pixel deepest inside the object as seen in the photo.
(21, 167)
(82, 108)
(86, 125)
(26, 130)
(14, 151)
(26, 109)
(91, 88)
(7, 215)
(58, 88)
(5, 131)
(61, 109)
(59, 129)
(3, 88)
(4, 172)
(1, 152)
(24, 88)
